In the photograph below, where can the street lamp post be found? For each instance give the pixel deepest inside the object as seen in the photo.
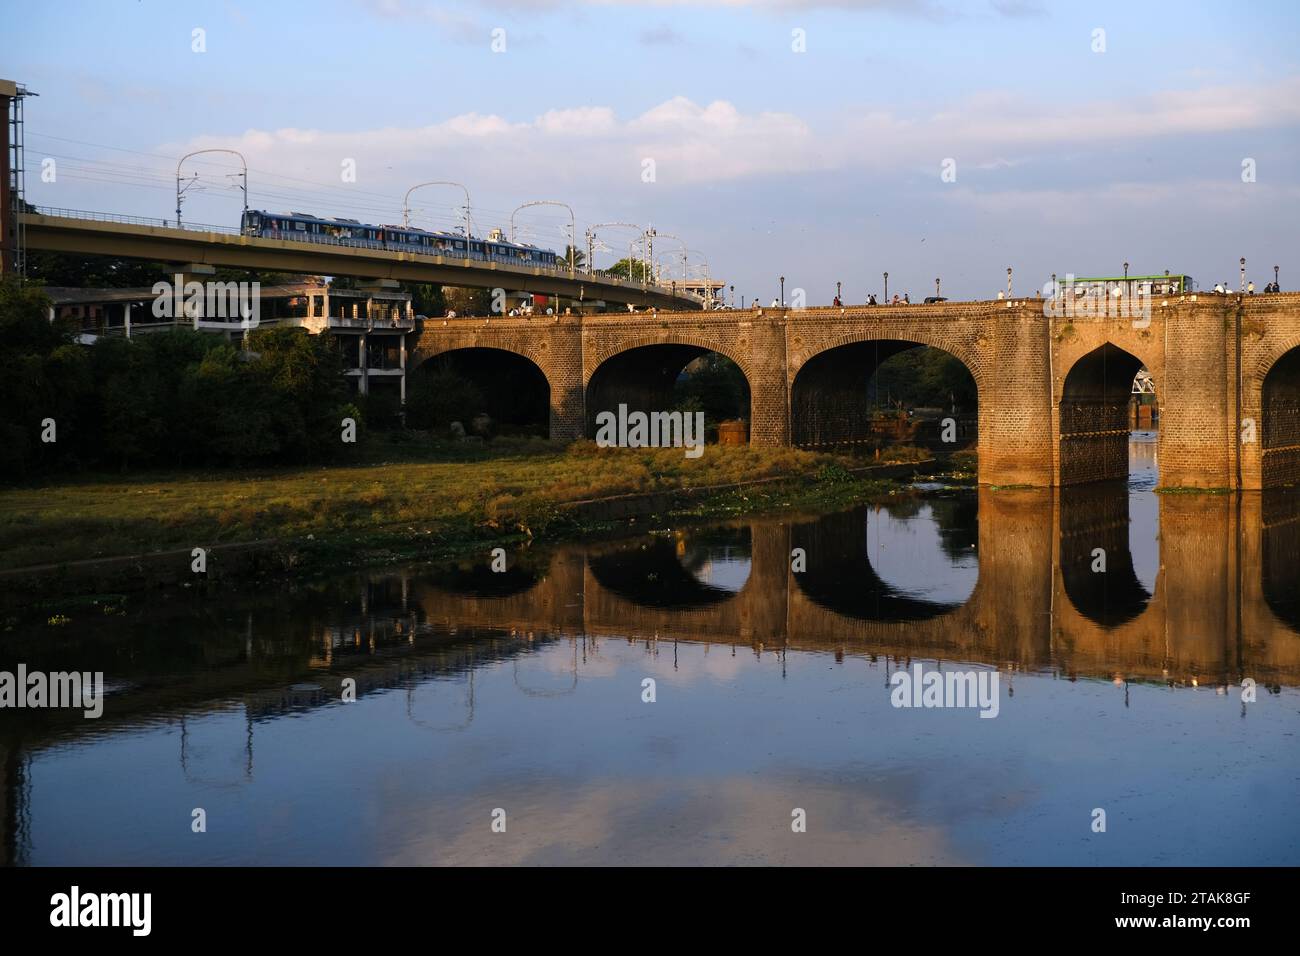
(733, 296)
(783, 292)
(406, 205)
(1008, 282)
(180, 192)
(886, 288)
(1243, 273)
(1126, 287)
(573, 223)
(1276, 288)
(837, 292)
(936, 288)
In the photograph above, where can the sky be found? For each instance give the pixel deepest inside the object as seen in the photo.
(820, 140)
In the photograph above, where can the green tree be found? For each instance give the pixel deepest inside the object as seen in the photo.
(923, 377)
(66, 270)
(631, 269)
(579, 257)
(465, 301)
(42, 377)
(426, 298)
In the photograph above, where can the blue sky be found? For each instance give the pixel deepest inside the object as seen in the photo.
(821, 165)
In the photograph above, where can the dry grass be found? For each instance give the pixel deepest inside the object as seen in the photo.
(507, 484)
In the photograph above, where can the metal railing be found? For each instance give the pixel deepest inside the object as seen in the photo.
(62, 213)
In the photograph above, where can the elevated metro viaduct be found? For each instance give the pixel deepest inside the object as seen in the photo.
(1053, 392)
(193, 246)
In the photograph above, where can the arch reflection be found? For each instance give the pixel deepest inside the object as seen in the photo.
(477, 579)
(912, 561)
(686, 570)
(1095, 535)
(1280, 554)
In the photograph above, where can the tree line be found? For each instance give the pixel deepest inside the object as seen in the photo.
(181, 398)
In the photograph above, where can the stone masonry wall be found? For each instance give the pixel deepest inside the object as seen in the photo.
(1020, 360)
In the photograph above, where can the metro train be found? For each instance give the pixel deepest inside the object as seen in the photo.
(351, 232)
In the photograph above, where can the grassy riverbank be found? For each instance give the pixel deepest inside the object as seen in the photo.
(444, 493)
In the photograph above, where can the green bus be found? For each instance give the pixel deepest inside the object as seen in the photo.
(1131, 285)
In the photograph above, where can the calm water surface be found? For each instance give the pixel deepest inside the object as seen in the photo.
(523, 691)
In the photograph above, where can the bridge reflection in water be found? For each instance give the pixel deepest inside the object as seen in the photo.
(1001, 578)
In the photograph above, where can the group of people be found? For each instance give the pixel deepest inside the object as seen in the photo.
(1224, 288)
(838, 303)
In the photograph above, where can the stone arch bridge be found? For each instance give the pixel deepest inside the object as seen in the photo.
(1053, 392)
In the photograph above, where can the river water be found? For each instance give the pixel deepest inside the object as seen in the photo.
(518, 701)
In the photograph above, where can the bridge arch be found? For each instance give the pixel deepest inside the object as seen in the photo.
(1093, 415)
(829, 400)
(642, 372)
(511, 387)
(1275, 397)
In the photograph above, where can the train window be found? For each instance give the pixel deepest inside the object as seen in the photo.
(300, 226)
